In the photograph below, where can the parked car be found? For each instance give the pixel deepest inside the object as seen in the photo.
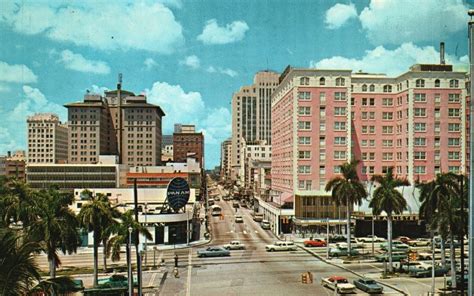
(426, 272)
(239, 219)
(281, 246)
(413, 266)
(265, 224)
(447, 243)
(338, 252)
(258, 217)
(368, 239)
(235, 204)
(234, 245)
(368, 285)
(355, 243)
(116, 281)
(210, 202)
(316, 242)
(428, 255)
(403, 239)
(217, 198)
(213, 252)
(396, 245)
(396, 256)
(421, 242)
(338, 283)
(460, 280)
(243, 204)
(337, 238)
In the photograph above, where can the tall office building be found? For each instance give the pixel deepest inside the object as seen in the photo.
(226, 156)
(251, 117)
(187, 142)
(323, 118)
(47, 139)
(121, 123)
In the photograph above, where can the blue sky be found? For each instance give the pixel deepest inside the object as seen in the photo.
(190, 56)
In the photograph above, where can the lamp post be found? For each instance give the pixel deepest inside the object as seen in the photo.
(146, 226)
(327, 238)
(129, 263)
(471, 160)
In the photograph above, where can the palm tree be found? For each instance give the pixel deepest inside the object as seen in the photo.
(95, 216)
(347, 190)
(108, 231)
(18, 201)
(56, 227)
(18, 271)
(121, 234)
(388, 199)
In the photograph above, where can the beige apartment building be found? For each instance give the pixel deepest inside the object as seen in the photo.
(251, 117)
(226, 156)
(47, 139)
(119, 123)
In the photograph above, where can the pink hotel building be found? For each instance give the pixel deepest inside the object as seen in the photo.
(415, 123)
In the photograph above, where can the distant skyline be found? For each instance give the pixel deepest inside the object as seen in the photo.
(190, 56)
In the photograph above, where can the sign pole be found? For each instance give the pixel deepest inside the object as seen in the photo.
(137, 238)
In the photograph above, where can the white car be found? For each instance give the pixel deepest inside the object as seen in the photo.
(355, 243)
(234, 245)
(421, 242)
(338, 283)
(281, 246)
(239, 219)
(368, 239)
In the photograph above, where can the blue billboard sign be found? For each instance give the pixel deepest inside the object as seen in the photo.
(178, 193)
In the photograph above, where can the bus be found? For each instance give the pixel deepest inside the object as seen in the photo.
(216, 210)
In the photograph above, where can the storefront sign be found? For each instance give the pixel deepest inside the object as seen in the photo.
(178, 193)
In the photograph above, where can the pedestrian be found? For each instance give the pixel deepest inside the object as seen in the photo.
(175, 260)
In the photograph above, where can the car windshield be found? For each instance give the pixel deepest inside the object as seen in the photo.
(342, 281)
(369, 282)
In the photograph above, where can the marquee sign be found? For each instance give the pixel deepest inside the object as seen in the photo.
(178, 193)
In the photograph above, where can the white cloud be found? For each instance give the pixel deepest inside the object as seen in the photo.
(191, 61)
(103, 25)
(390, 62)
(399, 21)
(99, 90)
(35, 102)
(339, 14)
(225, 71)
(76, 62)
(7, 141)
(150, 63)
(16, 73)
(212, 33)
(217, 125)
(4, 88)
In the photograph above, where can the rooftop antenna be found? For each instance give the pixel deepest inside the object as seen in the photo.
(441, 53)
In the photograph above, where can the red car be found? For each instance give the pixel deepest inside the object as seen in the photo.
(315, 243)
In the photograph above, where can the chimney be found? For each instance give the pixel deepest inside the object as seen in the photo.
(441, 53)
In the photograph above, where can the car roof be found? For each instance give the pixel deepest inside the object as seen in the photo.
(337, 277)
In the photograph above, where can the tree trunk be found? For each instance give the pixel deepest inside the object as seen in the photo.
(105, 255)
(389, 237)
(453, 263)
(443, 253)
(52, 268)
(348, 232)
(96, 257)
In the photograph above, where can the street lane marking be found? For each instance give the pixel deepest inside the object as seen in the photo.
(152, 279)
(245, 232)
(188, 286)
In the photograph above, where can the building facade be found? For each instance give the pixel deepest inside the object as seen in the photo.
(121, 123)
(323, 118)
(187, 142)
(47, 139)
(12, 166)
(226, 158)
(251, 117)
(167, 148)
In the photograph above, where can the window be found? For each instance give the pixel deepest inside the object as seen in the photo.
(437, 83)
(372, 88)
(387, 143)
(387, 102)
(322, 81)
(371, 115)
(304, 125)
(304, 110)
(420, 141)
(352, 101)
(372, 101)
(454, 98)
(453, 83)
(372, 143)
(454, 127)
(363, 143)
(304, 81)
(337, 169)
(420, 127)
(338, 111)
(304, 95)
(420, 170)
(420, 112)
(420, 155)
(371, 170)
(420, 83)
(322, 126)
(340, 141)
(453, 155)
(387, 156)
(387, 88)
(453, 112)
(322, 98)
(304, 154)
(364, 115)
(387, 129)
(420, 98)
(339, 96)
(304, 169)
(454, 142)
(387, 115)
(453, 169)
(437, 98)
(364, 102)
(339, 154)
(304, 184)
(339, 126)
(340, 81)
(365, 129)
(304, 140)
(364, 87)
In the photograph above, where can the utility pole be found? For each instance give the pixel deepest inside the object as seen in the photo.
(471, 159)
(139, 261)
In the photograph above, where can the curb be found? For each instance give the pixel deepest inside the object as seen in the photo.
(349, 270)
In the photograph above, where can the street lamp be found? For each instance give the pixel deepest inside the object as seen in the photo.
(129, 263)
(146, 226)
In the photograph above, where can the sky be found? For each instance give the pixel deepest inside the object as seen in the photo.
(190, 56)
